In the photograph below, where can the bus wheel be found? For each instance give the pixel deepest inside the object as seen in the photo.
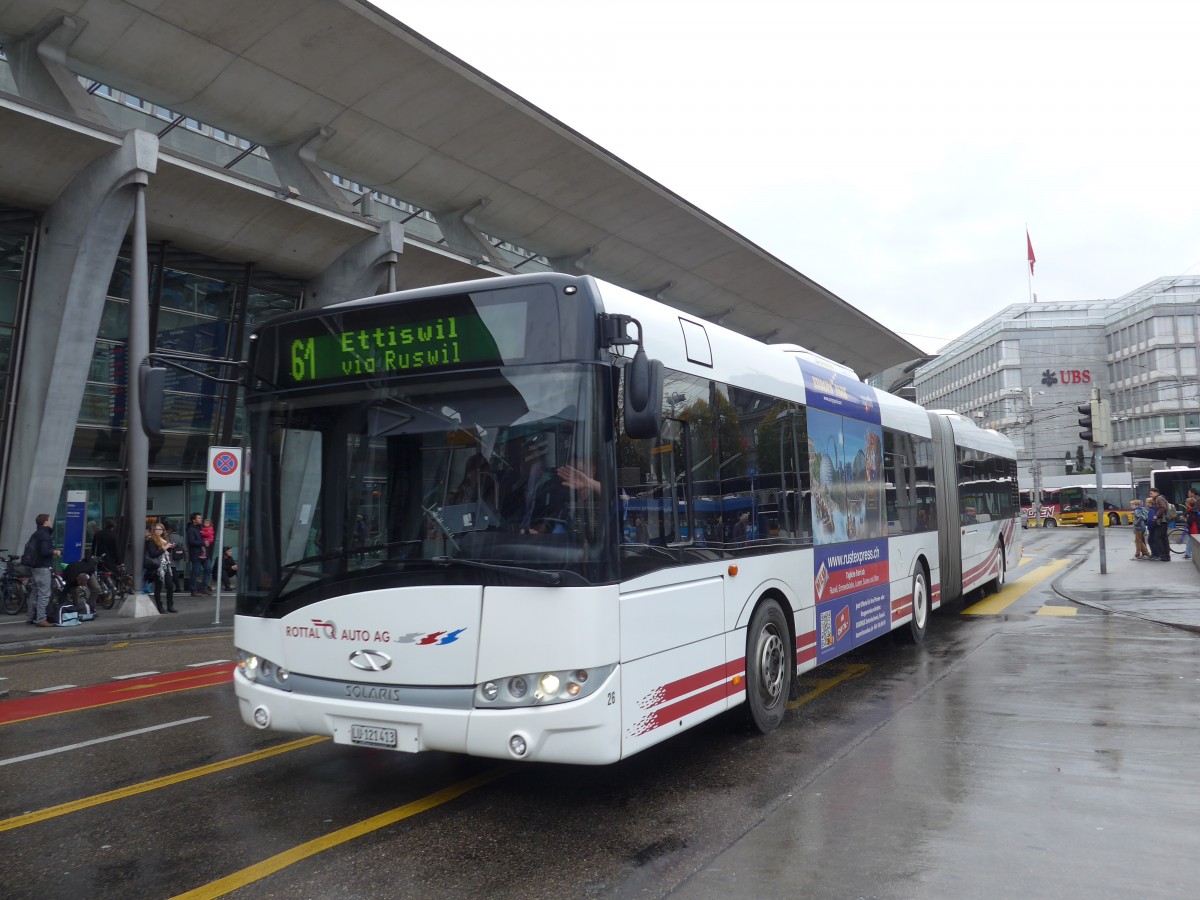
(1114, 519)
(920, 607)
(998, 581)
(768, 667)
(1050, 523)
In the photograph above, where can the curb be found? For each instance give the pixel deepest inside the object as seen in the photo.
(104, 637)
(1057, 587)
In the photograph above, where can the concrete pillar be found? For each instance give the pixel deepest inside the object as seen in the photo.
(39, 67)
(575, 264)
(298, 169)
(80, 236)
(360, 270)
(462, 236)
(137, 445)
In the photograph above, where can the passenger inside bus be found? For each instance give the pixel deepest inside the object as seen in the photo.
(478, 483)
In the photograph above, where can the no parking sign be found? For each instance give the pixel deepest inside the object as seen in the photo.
(225, 469)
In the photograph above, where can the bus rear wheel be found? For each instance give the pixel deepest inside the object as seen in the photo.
(919, 623)
(1114, 519)
(768, 667)
(998, 582)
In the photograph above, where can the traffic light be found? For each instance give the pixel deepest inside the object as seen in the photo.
(1085, 421)
(1093, 419)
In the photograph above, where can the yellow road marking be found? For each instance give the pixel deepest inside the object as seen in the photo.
(154, 784)
(39, 652)
(1056, 611)
(273, 864)
(1026, 560)
(851, 670)
(1013, 592)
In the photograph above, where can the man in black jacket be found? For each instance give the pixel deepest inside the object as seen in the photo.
(41, 557)
(195, 543)
(105, 545)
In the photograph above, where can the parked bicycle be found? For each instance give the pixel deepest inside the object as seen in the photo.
(16, 586)
(115, 583)
(1177, 538)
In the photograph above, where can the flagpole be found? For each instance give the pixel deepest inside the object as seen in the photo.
(1029, 259)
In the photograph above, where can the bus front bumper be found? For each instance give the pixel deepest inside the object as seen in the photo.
(585, 731)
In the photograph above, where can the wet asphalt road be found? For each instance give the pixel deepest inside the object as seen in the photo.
(1015, 754)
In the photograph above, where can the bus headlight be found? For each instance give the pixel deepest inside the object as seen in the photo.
(549, 687)
(258, 670)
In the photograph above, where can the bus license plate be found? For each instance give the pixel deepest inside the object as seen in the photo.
(373, 736)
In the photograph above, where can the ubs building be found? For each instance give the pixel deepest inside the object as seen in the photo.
(1026, 369)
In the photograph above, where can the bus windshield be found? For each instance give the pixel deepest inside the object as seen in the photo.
(489, 477)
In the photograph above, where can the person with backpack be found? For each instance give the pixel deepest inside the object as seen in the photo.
(1140, 514)
(39, 556)
(1160, 522)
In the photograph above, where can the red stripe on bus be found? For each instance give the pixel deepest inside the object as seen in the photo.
(806, 647)
(666, 714)
(687, 685)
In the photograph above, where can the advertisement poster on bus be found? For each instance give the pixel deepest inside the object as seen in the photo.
(852, 593)
(836, 392)
(845, 458)
(850, 559)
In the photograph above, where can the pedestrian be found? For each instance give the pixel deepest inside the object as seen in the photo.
(195, 544)
(105, 544)
(228, 569)
(209, 534)
(178, 555)
(1191, 521)
(1158, 524)
(40, 553)
(1140, 548)
(160, 566)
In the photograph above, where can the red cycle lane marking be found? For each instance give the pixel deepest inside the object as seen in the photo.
(76, 699)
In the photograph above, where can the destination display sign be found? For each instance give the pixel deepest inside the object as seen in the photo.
(385, 340)
(391, 348)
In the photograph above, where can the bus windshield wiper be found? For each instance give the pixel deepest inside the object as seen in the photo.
(291, 568)
(544, 576)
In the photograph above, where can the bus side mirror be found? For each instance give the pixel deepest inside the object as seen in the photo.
(643, 397)
(152, 382)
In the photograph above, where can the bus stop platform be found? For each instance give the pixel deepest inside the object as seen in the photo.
(1166, 593)
(197, 615)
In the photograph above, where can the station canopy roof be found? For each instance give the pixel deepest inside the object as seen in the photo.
(409, 119)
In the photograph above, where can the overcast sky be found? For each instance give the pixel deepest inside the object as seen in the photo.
(891, 151)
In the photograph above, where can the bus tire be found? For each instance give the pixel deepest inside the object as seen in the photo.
(769, 668)
(1114, 519)
(919, 623)
(1049, 523)
(998, 582)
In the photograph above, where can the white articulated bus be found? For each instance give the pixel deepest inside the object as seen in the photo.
(543, 518)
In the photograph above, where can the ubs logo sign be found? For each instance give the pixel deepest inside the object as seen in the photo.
(1067, 376)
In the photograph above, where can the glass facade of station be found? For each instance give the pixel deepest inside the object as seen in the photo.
(201, 309)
